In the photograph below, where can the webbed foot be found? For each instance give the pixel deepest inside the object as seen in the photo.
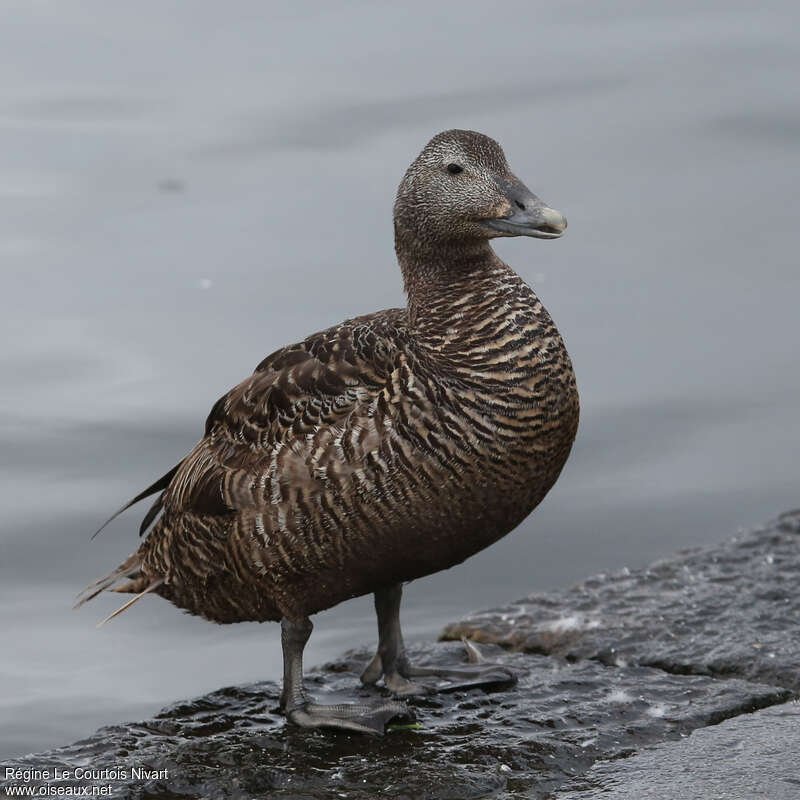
(370, 718)
(391, 662)
(477, 673)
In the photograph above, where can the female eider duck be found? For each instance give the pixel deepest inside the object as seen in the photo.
(388, 447)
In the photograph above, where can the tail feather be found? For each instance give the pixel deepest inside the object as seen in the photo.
(136, 584)
(127, 569)
(154, 585)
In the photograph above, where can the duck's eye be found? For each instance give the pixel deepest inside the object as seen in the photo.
(454, 169)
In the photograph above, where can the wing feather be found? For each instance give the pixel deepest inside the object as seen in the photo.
(271, 432)
(157, 486)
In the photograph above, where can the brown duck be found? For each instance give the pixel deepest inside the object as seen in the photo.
(388, 447)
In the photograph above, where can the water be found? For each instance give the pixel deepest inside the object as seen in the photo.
(185, 188)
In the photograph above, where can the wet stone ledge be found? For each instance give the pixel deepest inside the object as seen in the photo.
(727, 611)
(620, 675)
(749, 756)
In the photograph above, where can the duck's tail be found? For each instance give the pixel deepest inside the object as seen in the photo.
(136, 583)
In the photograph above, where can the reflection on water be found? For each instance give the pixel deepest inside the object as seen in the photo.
(179, 199)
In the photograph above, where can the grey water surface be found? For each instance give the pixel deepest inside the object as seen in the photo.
(186, 186)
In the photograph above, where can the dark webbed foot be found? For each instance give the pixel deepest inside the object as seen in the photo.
(369, 718)
(476, 673)
(391, 662)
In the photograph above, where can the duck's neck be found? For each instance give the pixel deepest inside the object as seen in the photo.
(439, 280)
(451, 289)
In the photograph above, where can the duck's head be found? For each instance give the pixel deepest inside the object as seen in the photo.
(460, 189)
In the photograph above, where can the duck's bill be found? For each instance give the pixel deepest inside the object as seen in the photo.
(539, 221)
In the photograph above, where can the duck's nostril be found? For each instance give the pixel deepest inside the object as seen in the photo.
(520, 206)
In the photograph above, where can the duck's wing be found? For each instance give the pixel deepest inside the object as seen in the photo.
(291, 391)
(309, 412)
(305, 418)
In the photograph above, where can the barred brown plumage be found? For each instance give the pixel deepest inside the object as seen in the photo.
(388, 447)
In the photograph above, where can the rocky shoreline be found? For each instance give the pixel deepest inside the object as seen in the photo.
(677, 680)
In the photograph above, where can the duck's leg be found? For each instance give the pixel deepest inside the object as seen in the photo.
(300, 709)
(392, 663)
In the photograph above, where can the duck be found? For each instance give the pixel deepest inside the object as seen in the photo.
(378, 451)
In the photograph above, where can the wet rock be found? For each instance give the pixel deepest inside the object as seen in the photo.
(618, 664)
(742, 759)
(553, 725)
(724, 611)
